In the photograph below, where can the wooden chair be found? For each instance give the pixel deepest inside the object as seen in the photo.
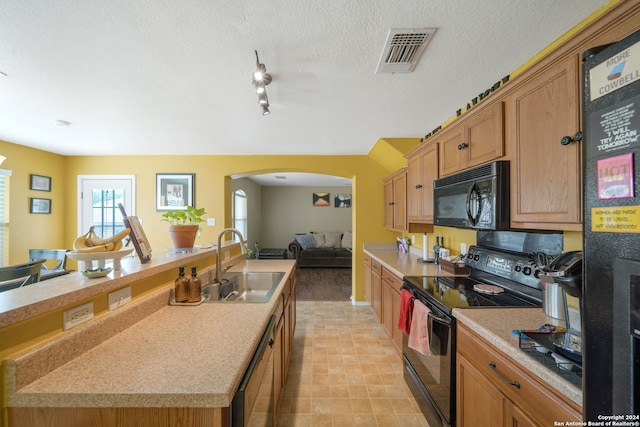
(60, 255)
(29, 271)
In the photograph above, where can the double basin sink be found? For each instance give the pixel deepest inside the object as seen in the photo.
(245, 287)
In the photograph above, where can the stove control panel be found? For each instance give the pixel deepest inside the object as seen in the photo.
(510, 266)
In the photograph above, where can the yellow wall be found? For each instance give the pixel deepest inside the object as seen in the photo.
(34, 230)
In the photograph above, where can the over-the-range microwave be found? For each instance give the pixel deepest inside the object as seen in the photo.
(477, 198)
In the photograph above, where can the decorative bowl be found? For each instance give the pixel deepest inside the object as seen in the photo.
(97, 272)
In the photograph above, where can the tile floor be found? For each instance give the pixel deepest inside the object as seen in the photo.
(344, 371)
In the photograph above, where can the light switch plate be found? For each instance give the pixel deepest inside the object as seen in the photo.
(119, 298)
(211, 222)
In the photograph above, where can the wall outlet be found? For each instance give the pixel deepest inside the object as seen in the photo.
(413, 239)
(463, 248)
(227, 255)
(211, 222)
(119, 298)
(78, 315)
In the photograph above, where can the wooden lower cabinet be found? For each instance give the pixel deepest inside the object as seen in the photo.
(121, 417)
(391, 285)
(367, 278)
(487, 394)
(376, 288)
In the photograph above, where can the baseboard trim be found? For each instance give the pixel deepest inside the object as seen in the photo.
(358, 303)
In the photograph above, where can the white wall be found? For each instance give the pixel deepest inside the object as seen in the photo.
(289, 210)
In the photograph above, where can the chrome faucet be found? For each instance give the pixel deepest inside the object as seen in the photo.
(243, 248)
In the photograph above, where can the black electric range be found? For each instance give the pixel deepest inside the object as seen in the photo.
(516, 274)
(431, 376)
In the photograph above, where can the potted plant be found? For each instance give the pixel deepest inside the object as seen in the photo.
(184, 226)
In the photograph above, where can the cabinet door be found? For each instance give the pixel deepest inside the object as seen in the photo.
(452, 158)
(479, 403)
(429, 172)
(387, 308)
(388, 204)
(414, 188)
(395, 201)
(485, 135)
(367, 278)
(422, 170)
(545, 175)
(376, 292)
(400, 202)
(396, 334)
(278, 366)
(514, 417)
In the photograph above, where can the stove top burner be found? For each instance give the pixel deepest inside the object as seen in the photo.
(457, 292)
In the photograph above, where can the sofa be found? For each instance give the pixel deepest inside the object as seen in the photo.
(322, 249)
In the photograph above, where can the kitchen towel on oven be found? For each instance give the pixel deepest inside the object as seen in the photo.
(419, 333)
(406, 311)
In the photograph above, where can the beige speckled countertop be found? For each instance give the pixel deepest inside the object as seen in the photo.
(402, 265)
(38, 298)
(179, 356)
(496, 325)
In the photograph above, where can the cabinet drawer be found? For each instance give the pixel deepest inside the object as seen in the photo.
(534, 397)
(367, 261)
(376, 267)
(394, 281)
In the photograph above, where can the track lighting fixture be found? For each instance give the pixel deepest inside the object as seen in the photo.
(260, 81)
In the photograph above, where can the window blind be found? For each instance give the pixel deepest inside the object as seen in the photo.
(5, 176)
(240, 212)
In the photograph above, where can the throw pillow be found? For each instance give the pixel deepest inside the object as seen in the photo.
(306, 240)
(319, 239)
(332, 240)
(346, 240)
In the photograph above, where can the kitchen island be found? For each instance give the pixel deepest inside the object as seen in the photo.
(179, 361)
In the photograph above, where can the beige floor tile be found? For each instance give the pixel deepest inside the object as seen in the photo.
(344, 372)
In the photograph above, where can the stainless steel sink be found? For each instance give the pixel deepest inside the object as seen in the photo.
(250, 287)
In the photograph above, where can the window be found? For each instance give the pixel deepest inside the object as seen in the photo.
(107, 219)
(4, 216)
(240, 212)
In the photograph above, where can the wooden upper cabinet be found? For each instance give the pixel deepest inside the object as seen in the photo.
(475, 140)
(546, 175)
(422, 170)
(395, 201)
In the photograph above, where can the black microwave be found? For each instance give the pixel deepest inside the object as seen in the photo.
(476, 198)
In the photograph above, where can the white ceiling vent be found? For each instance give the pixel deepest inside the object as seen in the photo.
(403, 49)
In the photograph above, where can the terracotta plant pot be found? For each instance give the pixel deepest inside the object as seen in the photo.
(183, 236)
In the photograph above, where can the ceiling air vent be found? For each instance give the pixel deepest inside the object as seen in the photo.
(403, 49)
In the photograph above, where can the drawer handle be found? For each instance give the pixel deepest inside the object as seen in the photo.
(516, 384)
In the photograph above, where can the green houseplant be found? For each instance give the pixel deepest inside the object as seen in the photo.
(184, 226)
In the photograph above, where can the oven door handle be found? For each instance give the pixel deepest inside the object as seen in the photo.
(439, 319)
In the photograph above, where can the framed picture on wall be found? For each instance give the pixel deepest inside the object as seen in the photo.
(321, 199)
(39, 183)
(342, 200)
(40, 206)
(174, 191)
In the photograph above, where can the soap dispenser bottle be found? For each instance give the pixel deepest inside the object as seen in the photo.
(195, 286)
(181, 290)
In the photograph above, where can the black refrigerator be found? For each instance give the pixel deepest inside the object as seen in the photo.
(611, 267)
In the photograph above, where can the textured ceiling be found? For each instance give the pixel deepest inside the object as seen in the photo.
(174, 77)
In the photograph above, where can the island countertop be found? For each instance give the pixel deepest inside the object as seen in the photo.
(179, 356)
